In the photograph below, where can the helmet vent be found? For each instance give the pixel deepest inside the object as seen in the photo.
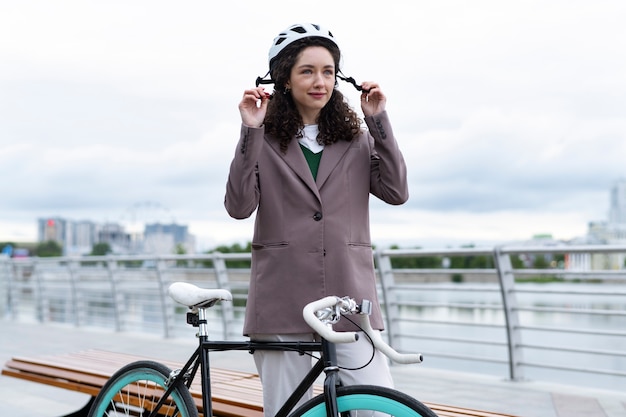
(294, 33)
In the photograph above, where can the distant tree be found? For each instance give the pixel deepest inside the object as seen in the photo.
(457, 278)
(540, 262)
(480, 261)
(471, 261)
(48, 249)
(559, 259)
(460, 262)
(429, 262)
(517, 262)
(236, 248)
(180, 249)
(415, 261)
(100, 249)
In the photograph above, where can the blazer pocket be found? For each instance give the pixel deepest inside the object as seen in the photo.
(270, 245)
(360, 244)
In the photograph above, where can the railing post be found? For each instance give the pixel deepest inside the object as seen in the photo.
(166, 304)
(6, 281)
(118, 299)
(387, 281)
(511, 316)
(38, 291)
(221, 275)
(72, 267)
(15, 291)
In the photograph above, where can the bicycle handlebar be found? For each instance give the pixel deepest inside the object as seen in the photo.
(308, 312)
(348, 337)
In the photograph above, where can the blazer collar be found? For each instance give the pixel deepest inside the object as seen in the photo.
(294, 158)
(330, 159)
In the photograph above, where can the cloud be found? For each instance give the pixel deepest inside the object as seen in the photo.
(510, 114)
(516, 161)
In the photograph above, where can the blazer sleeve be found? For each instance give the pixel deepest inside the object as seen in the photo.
(388, 174)
(242, 187)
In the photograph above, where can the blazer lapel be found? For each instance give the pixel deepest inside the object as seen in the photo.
(294, 158)
(331, 156)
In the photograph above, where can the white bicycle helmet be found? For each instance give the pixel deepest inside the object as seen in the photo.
(295, 32)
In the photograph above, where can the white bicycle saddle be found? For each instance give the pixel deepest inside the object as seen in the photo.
(194, 296)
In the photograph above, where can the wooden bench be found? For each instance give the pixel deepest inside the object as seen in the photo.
(235, 394)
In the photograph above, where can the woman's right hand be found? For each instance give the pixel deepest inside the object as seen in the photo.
(253, 106)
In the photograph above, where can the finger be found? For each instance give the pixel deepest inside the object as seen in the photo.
(256, 93)
(266, 96)
(367, 86)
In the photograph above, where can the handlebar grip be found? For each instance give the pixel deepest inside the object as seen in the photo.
(327, 333)
(391, 353)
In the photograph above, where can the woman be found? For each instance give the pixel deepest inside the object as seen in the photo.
(306, 166)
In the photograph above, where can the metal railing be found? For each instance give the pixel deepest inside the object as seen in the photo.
(552, 324)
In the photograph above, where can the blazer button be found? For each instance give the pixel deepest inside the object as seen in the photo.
(317, 216)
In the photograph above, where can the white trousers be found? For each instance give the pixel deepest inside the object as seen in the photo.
(280, 372)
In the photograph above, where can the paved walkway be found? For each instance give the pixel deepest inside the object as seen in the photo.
(524, 399)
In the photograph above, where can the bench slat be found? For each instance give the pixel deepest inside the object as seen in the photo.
(234, 393)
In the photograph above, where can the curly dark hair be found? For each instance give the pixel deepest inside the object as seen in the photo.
(337, 120)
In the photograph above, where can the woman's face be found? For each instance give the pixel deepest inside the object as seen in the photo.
(312, 81)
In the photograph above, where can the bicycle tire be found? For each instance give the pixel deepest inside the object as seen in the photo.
(136, 388)
(364, 401)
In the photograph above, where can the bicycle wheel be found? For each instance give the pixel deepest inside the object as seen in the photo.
(135, 390)
(365, 401)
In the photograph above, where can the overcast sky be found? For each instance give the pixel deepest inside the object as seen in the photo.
(511, 114)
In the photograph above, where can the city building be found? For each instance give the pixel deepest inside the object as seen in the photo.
(115, 235)
(52, 228)
(617, 211)
(167, 238)
(609, 232)
(82, 235)
(612, 231)
(79, 237)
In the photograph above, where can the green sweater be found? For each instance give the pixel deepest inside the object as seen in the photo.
(313, 159)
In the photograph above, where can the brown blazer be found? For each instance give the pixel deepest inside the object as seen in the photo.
(312, 238)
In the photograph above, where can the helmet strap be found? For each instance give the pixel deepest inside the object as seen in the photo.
(262, 80)
(350, 80)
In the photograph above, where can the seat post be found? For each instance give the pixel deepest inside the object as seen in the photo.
(203, 336)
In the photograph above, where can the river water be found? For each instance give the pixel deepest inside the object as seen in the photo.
(588, 325)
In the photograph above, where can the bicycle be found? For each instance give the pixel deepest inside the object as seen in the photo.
(148, 388)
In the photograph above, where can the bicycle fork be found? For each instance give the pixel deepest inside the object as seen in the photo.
(329, 366)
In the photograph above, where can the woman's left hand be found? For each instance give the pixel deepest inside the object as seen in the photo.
(372, 99)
